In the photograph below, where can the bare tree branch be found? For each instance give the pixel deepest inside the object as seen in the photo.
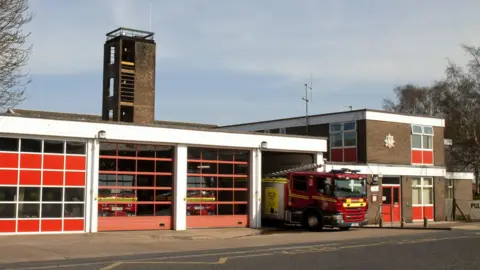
(13, 54)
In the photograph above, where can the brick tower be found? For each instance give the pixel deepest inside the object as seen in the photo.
(129, 76)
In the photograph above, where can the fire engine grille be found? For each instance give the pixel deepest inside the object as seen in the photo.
(353, 215)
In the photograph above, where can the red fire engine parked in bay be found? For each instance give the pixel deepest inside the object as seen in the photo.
(336, 199)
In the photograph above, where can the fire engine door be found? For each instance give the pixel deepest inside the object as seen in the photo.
(301, 190)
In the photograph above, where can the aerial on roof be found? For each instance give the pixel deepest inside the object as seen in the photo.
(95, 118)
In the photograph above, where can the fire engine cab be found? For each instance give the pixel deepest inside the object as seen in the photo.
(336, 199)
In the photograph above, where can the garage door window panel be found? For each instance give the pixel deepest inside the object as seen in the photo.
(217, 181)
(140, 184)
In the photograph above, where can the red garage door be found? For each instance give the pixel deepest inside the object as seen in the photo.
(42, 185)
(217, 188)
(135, 187)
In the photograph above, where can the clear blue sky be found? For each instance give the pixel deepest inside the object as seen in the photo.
(227, 62)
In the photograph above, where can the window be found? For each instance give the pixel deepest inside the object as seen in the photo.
(422, 144)
(134, 180)
(300, 183)
(266, 131)
(324, 185)
(217, 182)
(343, 142)
(283, 131)
(422, 191)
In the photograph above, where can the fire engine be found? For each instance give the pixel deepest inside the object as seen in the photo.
(120, 203)
(336, 199)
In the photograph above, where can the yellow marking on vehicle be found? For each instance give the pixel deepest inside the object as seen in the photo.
(321, 198)
(354, 204)
(299, 196)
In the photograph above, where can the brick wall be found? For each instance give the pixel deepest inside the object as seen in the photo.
(463, 195)
(439, 198)
(144, 83)
(406, 188)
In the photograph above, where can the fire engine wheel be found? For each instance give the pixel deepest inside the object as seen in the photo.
(313, 221)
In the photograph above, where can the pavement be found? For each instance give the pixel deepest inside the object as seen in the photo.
(412, 249)
(38, 248)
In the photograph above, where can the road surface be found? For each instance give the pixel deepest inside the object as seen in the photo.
(434, 250)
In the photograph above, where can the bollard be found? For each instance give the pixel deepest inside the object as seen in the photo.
(380, 222)
(402, 225)
(425, 222)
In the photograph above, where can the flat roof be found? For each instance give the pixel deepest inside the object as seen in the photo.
(335, 117)
(329, 114)
(94, 118)
(87, 129)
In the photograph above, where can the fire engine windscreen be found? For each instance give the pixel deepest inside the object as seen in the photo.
(350, 188)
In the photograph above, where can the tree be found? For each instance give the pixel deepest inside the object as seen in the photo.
(456, 98)
(13, 54)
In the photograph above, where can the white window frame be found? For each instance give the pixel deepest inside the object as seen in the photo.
(423, 133)
(421, 187)
(342, 131)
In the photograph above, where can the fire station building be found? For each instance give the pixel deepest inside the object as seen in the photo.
(404, 153)
(81, 175)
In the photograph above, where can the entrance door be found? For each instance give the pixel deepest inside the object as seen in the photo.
(391, 203)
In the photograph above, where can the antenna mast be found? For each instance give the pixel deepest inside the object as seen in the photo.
(306, 102)
(150, 15)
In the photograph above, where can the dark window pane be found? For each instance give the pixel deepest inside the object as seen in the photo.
(241, 182)
(396, 195)
(56, 147)
(51, 210)
(164, 152)
(225, 182)
(145, 195)
(164, 166)
(240, 209)
(209, 154)
(164, 181)
(300, 183)
(107, 180)
(8, 194)
(194, 181)
(225, 196)
(8, 210)
(226, 155)
(390, 180)
(127, 150)
(29, 210)
(125, 180)
(145, 180)
(146, 166)
(8, 144)
(241, 169)
(209, 182)
(74, 210)
(31, 145)
(387, 194)
(127, 165)
(52, 194)
(29, 194)
(146, 151)
(76, 148)
(225, 168)
(163, 196)
(209, 168)
(106, 164)
(163, 210)
(241, 196)
(145, 209)
(225, 209)
(194, 167)
(107, 149)
(74, 194)
(194, 153)
(242, 155)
